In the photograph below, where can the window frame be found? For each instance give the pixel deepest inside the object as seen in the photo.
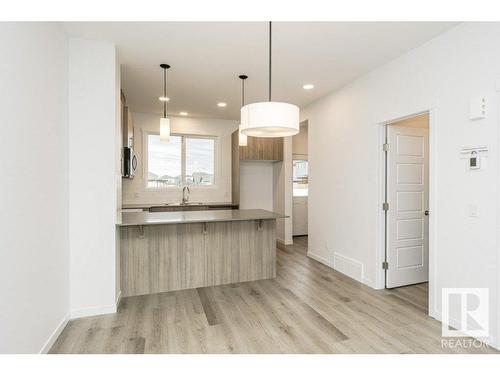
(183, 136)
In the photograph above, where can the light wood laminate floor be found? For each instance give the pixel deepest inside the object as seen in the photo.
(308, 308)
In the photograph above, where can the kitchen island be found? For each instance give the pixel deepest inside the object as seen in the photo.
(166, 251)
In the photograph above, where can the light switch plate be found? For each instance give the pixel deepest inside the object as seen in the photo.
(477, 108)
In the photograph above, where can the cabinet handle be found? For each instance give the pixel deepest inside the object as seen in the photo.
(141, 232)
(259, 225)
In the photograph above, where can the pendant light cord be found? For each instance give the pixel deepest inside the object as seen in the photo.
(165, 93)
(242, 92)
(270, 56)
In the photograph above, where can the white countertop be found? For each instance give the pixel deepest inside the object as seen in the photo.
(184, 217)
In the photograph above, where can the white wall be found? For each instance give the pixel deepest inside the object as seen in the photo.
(256, 185)
(92, 176)
(134, 190)
(299, 141)
(34, 256)
(344, 157)
(118, 171)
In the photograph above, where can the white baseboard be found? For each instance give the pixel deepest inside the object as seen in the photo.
(320, 259)
(372, 284)
(284, 242)
(118, 299)
(92, 311)
(53, 337)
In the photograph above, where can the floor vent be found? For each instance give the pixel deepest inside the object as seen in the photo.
(348, 266)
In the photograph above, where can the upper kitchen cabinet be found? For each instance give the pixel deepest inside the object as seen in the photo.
(127, 124)
(264, 149)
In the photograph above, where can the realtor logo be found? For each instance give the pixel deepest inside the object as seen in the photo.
(467, 310)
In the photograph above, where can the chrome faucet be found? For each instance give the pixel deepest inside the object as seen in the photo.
(185, 197)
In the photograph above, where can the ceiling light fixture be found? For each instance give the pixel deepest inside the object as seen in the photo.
(242, 138)
(308, 86)
(164, 121)
(270, 119)
(163, 99)
(222, 104)
(183, 113)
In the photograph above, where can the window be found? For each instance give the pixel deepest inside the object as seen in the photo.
(300, 178)
(200, 161)
(188, 160)
(164, 161)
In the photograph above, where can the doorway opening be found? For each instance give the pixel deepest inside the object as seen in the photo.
(300, 181)
(406, 201)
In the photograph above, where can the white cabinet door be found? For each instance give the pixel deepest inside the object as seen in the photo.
(408, 197)
(299, 216)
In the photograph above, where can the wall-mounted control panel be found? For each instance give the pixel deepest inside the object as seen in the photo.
(475, 157)
(474, 160)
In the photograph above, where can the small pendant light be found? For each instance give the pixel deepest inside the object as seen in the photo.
(164, 121)
(242, 138)
(270, 119)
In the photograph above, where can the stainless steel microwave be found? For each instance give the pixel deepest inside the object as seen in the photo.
(129, 162)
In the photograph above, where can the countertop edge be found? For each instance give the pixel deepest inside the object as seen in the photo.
(189, 217)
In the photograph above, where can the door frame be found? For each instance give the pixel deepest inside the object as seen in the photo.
(432, 109)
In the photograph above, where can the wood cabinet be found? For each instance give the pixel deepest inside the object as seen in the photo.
(127, 124)
(163, 258)
(264, 149)
(127, 128)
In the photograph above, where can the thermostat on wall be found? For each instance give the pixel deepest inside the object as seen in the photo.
(474, 160)
(475, 156)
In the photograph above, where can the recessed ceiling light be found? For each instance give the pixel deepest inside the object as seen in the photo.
(183, 113)
(308, 86)
(163, 98)
(221, 104)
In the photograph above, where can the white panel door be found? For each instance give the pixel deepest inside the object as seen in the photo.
(408, 197)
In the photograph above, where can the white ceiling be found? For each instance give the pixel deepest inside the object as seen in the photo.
(207, 57)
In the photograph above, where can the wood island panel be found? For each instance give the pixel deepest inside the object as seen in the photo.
(162, 258)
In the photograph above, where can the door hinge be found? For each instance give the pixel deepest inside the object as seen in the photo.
(385, 265)
(385, 206)
(386, 147)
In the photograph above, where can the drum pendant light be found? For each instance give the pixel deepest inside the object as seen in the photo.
(242, 138)
(270, 119)
(164, 121)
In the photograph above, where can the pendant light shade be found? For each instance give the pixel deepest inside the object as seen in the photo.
(165, 129)
(269, 119)
(242, 138)
(164, 121)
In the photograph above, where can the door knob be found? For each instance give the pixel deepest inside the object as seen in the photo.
(426, 212)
